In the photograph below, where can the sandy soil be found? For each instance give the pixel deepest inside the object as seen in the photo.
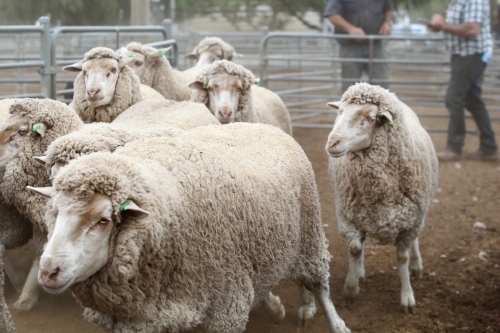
(459, 291)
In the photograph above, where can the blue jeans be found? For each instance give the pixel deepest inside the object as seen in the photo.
(464, 91)
(352, 71)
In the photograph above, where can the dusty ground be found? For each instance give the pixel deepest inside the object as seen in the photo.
(458, 293)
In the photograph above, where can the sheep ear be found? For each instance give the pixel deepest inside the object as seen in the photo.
(196, 85)
(191, 56)
(41, 159)
(335, 105)
(386, 117)
(153, 56)
(76, 67)
(125, 60)
(45, 191)
(40, 129)
(130, 209)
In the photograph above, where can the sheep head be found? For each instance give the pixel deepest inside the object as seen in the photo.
(142, 58)
(79, 241)
(100, 70)
(12, 134)
(222, 87)
(210, 50)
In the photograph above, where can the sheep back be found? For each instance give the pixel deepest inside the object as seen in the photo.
(149, 93)
(386, 194)
(230, 219)
(165, 113)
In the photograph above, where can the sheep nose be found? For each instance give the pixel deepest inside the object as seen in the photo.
(49, 277)
(331, 145)
(225, 112)
(92, 92)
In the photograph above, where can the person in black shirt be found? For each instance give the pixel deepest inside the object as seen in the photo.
(361, 17)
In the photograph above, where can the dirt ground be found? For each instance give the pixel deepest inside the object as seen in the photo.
(459, 292)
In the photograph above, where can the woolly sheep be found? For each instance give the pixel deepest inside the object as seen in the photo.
(155, 71)
(228, 90)
(211, 49)
(40, 121)
(6, 322)
(149, 93)
(104, 87)
(189, 230)
(384, 172)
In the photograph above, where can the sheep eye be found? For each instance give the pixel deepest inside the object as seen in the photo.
(113, 71)
(104, 220)
(23, 131)
(84, 73)
(138, 63)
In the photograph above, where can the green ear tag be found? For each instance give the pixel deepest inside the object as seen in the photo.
(123, 205)
(390, 123)
(160, 53)
(36, 128)
(120, 145)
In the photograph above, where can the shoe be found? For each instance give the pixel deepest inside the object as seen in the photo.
(449, 155)
(481, 156)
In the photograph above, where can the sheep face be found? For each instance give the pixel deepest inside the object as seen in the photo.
(79, 240)
(353, 129)
(100, 76)
(142, 63)
(224, 92)
(138, 62)
(207, 57)
(12, 134)
(78, 243)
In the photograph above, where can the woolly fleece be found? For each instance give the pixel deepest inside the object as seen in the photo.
(23, 170)
(127, 93)
(159, 74)
(149, 93)
(6, 322)
(165, 113)
(256, 104)
(94, 138)
(386, 195)
(230, 218)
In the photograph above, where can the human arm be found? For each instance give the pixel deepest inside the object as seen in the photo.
(466, 29)
(340, 23)
(385, 28)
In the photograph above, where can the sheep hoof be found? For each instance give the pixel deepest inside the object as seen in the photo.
(408, 309)
(417, 272)
(306, 313)
(350, 293)
(25, 303)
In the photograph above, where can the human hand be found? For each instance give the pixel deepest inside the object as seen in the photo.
(385, 28)
(356, 31)
(436, 23)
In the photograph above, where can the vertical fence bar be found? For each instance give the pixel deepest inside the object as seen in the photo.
(167, 24)
(47, 70)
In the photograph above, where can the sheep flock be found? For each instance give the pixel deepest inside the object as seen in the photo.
(165, 200)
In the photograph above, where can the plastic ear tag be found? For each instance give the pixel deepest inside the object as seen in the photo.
(124, 205)
(36, 128)
(390, 123)
(131, 55)
(160, 53)
(120, 145)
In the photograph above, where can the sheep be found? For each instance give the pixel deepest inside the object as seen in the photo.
(170, 233)
(33, 125)
(104, 87)
(149, 93)
(384, 171)
(6, 322)
(155, 71)
(211, 49)
(228, 90)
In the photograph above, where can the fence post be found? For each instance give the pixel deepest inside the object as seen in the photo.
(167, 24)
(47, 70)
(263, 57)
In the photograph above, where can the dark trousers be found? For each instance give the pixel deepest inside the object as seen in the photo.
(464, 91)
(352, 71)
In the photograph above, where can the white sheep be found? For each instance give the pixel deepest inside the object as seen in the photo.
(195, 229)
(228, 90)
(6, 322)
(211, 49)
(32, 126)
(104, 87)
(384, 172)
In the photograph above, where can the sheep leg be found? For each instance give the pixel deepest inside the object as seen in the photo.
(274, 307)
(356, 269)
(416, 266)
(407, 297)
(308, 307)
(335, 323)
(29, 295)
(14, 275)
